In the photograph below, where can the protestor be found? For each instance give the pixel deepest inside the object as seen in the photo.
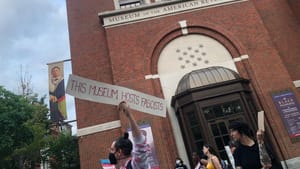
(232, 145)
(179, 164)
(247, 154)
(198, 162)
(213, 161)
(121, 152)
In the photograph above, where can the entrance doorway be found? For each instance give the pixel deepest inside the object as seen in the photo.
(205, 110)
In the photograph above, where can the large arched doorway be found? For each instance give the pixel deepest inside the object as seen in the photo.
(206, 102)
(183, 55)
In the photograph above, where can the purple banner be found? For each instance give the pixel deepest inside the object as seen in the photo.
(289, 109)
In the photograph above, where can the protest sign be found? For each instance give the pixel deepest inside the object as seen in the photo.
(260, 120)
(95, 91)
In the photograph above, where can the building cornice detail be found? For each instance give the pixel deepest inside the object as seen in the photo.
(98, 128)
(145, 12)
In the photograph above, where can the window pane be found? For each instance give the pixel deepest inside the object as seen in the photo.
(219, 143)
(209, 113)
(218, 111)
(226, 139)
(192, 118)
(199, 145)
(196, 133)
(215, 130)
(223, 128)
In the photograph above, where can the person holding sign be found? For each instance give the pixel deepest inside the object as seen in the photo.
(247, 154)
(121, 150)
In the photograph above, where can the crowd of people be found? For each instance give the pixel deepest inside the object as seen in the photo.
(248, 153)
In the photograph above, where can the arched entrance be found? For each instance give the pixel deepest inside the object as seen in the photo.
(206, 102)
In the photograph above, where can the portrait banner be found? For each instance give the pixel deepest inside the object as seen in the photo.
(58, 110)
(95, 91)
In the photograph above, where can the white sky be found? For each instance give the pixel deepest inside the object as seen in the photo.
(32, 34)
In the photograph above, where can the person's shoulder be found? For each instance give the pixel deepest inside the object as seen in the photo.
(214, 157)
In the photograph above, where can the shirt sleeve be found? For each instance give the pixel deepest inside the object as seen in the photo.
(141, 153)
(237, 160)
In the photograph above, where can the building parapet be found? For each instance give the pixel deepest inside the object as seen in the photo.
(150, 11)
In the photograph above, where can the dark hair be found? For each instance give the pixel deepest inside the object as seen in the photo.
(211, 149)
(124, 144)
(242, 128)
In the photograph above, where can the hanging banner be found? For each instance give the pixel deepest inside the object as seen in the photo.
(147, 132)
(58, 111)
(289, 109)
(95, 91)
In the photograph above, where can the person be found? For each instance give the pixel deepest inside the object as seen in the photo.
(232, 145)
(213, 161)
(246, 155)
(197, 161)
(121, 152)
(57, 95)
(179, 164)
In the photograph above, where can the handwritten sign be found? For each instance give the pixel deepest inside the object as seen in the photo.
(92, 90)
(288, 106)
(260, 120)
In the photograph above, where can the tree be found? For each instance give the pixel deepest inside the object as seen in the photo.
(24, 125)
(62, 152)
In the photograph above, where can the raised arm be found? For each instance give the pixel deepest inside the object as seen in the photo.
(265, 159)
(124, 107)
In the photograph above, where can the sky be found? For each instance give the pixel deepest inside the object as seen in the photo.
(32, 34)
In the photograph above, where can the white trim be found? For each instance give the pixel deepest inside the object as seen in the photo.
(183, 26)
(116, 3)
(120, 17)
(297, 83)
(98, 128)
(238, 59)
(244, 57)
(152, 76)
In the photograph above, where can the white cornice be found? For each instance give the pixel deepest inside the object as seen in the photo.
(98, 128)
(145, 12)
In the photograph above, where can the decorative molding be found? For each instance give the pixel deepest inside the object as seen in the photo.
(159, 9)
(98, 128)
(151, 76)
(243, 57)
(237, 59)
(183, 26)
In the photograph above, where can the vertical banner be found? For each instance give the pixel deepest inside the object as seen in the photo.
(146, 131)
(57, 92)
(289, 109)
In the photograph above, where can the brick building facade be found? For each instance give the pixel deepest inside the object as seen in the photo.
(161, 47)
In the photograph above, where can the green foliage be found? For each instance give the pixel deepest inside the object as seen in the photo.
(24, 125)
(63, 152)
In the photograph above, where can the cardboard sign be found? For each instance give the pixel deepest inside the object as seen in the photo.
(92, 90)
(260, 120)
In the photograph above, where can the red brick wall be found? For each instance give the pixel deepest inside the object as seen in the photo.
(284, 28)
(123, 55)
